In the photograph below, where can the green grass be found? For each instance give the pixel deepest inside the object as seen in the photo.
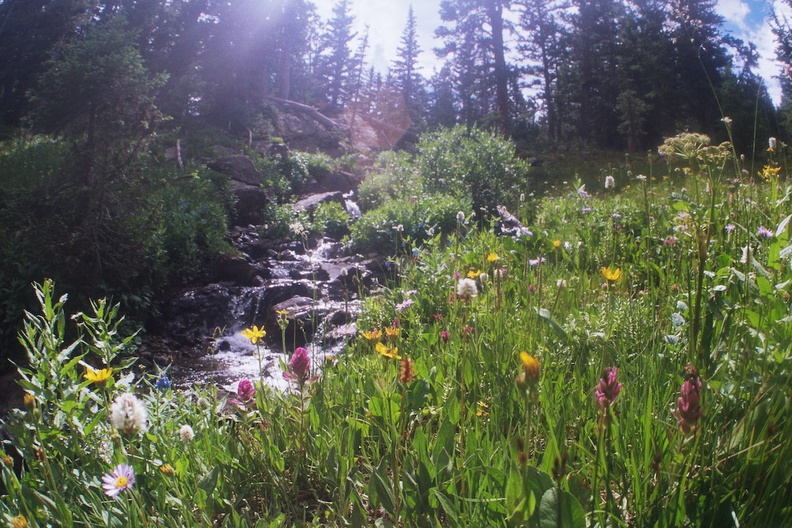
(462, 441)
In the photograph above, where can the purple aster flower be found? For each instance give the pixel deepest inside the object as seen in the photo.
(764, 232)
(121, 478)
(729, 228)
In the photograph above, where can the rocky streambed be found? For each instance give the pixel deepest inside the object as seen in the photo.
(303, 293)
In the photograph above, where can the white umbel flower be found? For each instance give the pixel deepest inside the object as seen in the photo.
(186, 433)
(466, 289)
(128, 414)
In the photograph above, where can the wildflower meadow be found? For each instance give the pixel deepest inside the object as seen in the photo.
(621, 359)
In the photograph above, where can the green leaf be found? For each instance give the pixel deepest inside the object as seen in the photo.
(559, 509)
(547, 317)
(448, 507)
(380, 491)
(209, 481)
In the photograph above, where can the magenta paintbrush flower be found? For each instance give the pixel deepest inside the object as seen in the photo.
(246, 390)
(688, 409)
(608, 389)
(299, 367)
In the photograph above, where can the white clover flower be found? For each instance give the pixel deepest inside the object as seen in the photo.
(561, 283)
(467, 289)
(186, 433)
(128, 414)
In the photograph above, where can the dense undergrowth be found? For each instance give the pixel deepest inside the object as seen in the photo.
(623, 361)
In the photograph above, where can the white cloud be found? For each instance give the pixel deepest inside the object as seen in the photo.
(734, 11)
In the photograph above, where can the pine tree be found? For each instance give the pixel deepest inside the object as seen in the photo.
(336, 62)
(406, 76)
(474, 47)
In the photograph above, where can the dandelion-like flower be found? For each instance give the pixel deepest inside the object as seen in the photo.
(390, 353)
(610, 182)
(556, 244)
(466, 289)
(299, 367)
(611, 274)
(246, 390)
(689, 411)
(186, 433)
(608, 389)
(528, 379)
(128, 414)
(531, 367)
(254, 334)
(473, 274)
(121, 478)
(99, 377)
(492, 257)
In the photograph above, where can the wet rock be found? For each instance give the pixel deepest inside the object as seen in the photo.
(193, 316)
(236, 270)
(249, 204)
(238, 166)
(301, 313)
(309, 203)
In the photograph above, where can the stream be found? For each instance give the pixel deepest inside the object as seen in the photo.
(313, 288)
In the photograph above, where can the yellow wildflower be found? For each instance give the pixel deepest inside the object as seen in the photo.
(472, 274)
(372, 335)
(530, 367)
(492, 257)
(391, 353)
(19, 522)
(254, 334)
(98, 376)
(769, 172)
(167, 470)
(482, 409)
(556, 244)
(392, 332)
(612, 274)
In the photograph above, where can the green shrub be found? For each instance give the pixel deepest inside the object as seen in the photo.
(317, 164)
(286, 175)
(392, 225)
(394, 178)
(330, 219)
(473, 162)
(190, 226)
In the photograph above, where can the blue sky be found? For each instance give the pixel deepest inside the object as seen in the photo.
(745, 19)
